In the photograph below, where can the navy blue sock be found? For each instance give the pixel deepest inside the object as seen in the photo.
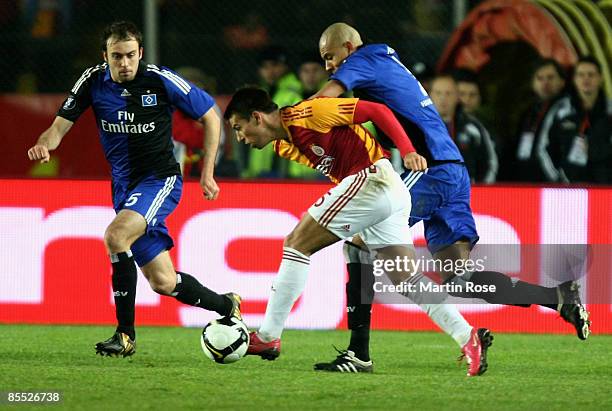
(124, 291)
(189, 291)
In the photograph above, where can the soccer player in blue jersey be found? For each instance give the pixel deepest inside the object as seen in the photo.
(440, 195)
(133, 104)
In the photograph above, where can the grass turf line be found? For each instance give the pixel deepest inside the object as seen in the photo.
(411, 370)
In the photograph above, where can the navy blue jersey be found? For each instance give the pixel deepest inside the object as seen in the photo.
(135, 118)
(376, 73)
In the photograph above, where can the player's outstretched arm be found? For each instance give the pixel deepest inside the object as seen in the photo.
(384, 119)
(212, 131)
(332, 88)
(50, 139)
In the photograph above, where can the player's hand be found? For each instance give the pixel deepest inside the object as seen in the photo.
(415, 162)
(209, 188)
(39, 152)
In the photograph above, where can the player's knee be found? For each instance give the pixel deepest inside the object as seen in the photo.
(162, 284)
(114, 238)
(293, 240)
(352, 253)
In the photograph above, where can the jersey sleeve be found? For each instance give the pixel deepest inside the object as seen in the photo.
(185, 96)
(79, 97)
(356, 72)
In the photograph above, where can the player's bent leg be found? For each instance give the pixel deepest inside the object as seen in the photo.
(161, 274)
(123, 231)
(309, 236)
(164, 280)
(306, 238)
(459, 251)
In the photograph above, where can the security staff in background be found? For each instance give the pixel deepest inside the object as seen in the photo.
(547, 84)
(472, 138)
(575, 142)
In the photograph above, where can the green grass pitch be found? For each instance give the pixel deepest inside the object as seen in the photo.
(411, 371)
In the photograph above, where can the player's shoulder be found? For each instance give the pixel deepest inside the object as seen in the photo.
(296, 110)
(305, 107)
(92, 70)
(374, 50)
(167, 76)
(89, 74)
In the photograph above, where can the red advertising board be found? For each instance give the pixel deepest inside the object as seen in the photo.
(55, 268)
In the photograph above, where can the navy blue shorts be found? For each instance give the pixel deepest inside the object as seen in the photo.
(155, 199)
(441, 199)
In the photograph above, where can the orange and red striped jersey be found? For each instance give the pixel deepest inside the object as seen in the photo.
(322, 136)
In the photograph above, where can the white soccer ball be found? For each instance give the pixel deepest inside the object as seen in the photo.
(225, 340)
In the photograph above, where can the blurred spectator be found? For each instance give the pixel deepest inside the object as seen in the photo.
(576, 136)
(47, 18)
(547, 83)
(285, 89)
(471, 100)
(312, 74)
(469, 90)
(469, 134)
(45, 21)
(250, 34)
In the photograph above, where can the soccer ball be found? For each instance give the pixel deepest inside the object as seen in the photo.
(225, 340)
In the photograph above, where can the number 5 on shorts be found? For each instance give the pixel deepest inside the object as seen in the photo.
(132, 199)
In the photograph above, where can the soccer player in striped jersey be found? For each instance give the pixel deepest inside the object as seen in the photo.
(440, 195)
(369, 200)
(133, 103)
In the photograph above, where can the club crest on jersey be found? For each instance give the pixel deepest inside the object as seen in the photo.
(317, 150)
(149, 100)
(69, 103)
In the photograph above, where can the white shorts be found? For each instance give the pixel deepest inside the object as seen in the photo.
(373, 203)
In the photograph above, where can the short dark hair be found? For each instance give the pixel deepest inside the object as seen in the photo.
(275, 53)
(311, 57)
(549, 62)
(465, 76)
(247, 100)
(122, 31)
(590, 60)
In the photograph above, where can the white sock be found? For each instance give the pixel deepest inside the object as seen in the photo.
(450, 320)
(286, 288)
(446, 316)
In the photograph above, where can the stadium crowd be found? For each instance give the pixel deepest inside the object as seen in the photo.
(564, 136)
